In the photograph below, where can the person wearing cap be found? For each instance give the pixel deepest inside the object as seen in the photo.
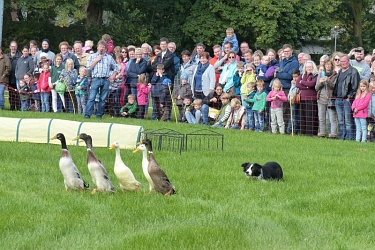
(45, 49)
(5, 69)
(363, 68)
(43, 59)
(179, 92)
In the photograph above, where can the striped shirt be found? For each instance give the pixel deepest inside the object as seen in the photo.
(104, 68)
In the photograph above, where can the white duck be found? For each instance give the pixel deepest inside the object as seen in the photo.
(97, 170)
(123, 173)
(143, 148)
(72, 177)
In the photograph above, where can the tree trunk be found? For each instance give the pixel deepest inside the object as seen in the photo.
(94, 14)
(357, 7)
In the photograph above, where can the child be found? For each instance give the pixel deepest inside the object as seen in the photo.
(81, 88)
(156, 83)
(237, 78)
(24, 95)
(43, 60)
(250, 114)
(256, 60)
(186, 107)
(232, 38)
(43, 88)
(88, 47)
(294, 118)
(224, 113)
(130, 108)
(360, 110)
(259, 101)
(179, 92)
(261, 69)
(248, 76)
(237, 118)
(165, 99)
(142, 95)
(277, 97)
(110, 46)
(371, 106)
(35, 94)
(69, 74)
(194, 114)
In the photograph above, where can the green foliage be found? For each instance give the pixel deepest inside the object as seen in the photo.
(325, 201)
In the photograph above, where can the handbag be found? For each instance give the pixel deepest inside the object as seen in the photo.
(60, 87)
(296, 99)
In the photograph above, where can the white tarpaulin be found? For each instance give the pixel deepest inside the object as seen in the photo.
(41, 130)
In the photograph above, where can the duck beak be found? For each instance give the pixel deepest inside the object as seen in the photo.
(54, 138)
(76, 138)
(111, 147)
(136, 150)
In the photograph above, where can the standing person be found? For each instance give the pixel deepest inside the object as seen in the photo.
(325, 103)
(359, 63)
(81, 89)
(308, 107)
(24, 93)
(179, 92)
(78, 52)
(5, 69)
(64, 51)
(58, 100)
(360, 110)
(137, 67)
(165, 57)
(25, 65)
(345, 88)
(69, 74)
(187, 67)
(259, 101)
(228, 72)
(217, 56)
(199, 49)
(45, 49)
(287, 65)
(156, 87)
(43, 88)
(277, 97)
(203, 83)
(244, 46)
(103, 69)
(143, 89)
(176, 60)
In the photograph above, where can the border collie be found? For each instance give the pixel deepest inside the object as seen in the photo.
(269, 171)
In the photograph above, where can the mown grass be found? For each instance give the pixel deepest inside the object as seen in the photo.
(325, 202)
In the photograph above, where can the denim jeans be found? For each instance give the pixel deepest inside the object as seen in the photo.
(2, 89)
(194, 119)
(205, 108)
(24, 105)
(259, 120)
(361, 129)
(345, 119)
(249, 119)
(97, 85)
(44, 96)
(81, 104)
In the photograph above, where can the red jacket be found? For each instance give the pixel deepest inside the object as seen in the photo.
(306, 84)
(43, 82)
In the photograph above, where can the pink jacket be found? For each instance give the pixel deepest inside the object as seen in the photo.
(142, 94)
(278, 103)
(361, 104)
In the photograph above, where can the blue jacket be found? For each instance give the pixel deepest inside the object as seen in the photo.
(156, 85)
(287, 66)
(134, 69)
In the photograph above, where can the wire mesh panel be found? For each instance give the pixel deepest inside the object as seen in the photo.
(204, 139)
(166, 139)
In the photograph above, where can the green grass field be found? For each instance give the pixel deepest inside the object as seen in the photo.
(325, 202)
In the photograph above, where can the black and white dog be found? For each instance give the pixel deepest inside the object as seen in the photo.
(269, 171)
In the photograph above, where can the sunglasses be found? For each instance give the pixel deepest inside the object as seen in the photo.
(124, 52)
(231, 57)
(337, 60)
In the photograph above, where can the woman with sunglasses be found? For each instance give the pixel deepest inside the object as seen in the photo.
(228, 72)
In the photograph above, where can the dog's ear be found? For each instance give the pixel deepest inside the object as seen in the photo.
(244, 165)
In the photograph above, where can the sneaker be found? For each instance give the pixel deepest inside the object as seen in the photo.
(332, 136)
(321, 135)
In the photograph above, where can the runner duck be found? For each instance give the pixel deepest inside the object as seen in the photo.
(123, 173)
(97, 170)
(159, 178)
(142, 147)
(72, 177)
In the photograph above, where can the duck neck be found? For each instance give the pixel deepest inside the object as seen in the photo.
(63, 143)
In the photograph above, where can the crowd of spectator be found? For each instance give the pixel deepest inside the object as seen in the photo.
(235, 88)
